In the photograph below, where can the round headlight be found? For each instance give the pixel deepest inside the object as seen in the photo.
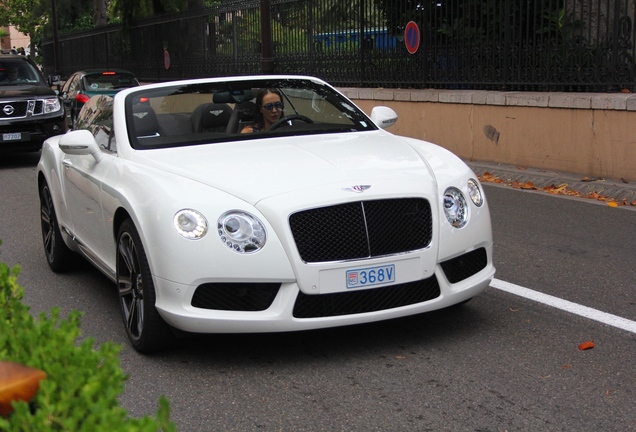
(241, 231)
(455, 207)
(190, 224)
(474, 192)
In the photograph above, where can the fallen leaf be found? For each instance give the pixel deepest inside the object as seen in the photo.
(612, 204)
(587, 345)
(587, 179)
(17, 383)
(623, 180)
(528, 185)
(566, 366)
(400, 357)
(513, 310)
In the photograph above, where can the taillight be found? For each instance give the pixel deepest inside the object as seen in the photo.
(82, 98)
(109, 73)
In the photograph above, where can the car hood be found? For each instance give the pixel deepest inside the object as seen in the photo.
(258, 169)
(24, 90)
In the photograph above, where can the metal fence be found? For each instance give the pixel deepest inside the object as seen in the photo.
(538, 45)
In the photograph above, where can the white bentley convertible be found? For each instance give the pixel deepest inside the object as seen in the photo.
(317, 217)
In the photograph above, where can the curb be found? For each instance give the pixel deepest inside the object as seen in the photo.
(575, 184)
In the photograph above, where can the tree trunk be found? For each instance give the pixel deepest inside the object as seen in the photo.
(100, 17)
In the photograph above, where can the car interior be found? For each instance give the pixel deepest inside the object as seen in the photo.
(204, 114)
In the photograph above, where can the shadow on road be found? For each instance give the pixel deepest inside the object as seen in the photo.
(19, 159)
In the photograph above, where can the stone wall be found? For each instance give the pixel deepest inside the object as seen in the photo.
(585, 133)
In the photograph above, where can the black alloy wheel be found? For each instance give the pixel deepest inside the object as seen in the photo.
(59, 257)
(146, 330)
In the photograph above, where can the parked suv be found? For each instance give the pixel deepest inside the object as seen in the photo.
(30, 110)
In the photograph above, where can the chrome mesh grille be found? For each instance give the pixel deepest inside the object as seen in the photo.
(362, 229)
(17, 109)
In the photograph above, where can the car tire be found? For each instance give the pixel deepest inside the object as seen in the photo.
(146, 330)
(59, 257)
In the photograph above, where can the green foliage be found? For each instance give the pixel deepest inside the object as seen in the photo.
(81, 390)
(28, 16)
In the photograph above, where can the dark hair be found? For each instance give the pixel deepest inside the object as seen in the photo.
(258, 117)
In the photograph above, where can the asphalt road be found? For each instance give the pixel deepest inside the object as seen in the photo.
(499, 363)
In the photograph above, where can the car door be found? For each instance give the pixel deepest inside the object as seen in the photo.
(83, 182)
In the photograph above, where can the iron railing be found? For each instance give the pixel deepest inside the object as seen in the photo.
(538, 45)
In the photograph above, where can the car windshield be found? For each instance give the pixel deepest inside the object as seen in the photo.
(212, 112)
(18, 72)
(109, 81)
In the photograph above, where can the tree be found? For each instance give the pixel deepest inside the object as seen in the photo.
(100, 17)
(28, 16)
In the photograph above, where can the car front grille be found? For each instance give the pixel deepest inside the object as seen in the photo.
(249, 297)
(464, 266)
(19, 109)
(369, 300)
(362, 229)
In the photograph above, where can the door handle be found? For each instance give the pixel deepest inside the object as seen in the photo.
(67, 163)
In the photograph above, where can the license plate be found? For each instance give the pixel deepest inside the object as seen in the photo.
(369, 276)
(11, 136)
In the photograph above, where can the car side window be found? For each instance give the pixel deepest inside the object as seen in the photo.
(72, 84)
(96, 116)
(67, 84)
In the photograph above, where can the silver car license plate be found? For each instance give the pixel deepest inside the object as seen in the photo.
(369, 276)
(11, 136)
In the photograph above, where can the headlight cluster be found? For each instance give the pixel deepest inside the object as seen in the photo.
(51, 105)
(241, 231)
(190, 224)
(455, 205)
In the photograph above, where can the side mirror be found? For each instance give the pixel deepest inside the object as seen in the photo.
(383, 117)
(54, 80)
(80, 142)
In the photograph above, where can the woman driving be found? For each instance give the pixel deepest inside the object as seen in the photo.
(269, 109)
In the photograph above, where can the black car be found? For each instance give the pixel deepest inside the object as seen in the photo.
(30, 110)
(82, 85)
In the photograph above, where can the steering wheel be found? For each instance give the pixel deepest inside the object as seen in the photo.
(280, 122)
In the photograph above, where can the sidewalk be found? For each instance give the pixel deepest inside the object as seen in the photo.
(560, 183)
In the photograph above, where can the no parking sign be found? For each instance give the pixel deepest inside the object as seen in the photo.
(412, 37)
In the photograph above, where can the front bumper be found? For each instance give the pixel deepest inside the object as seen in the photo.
(282, 312)
(29, 133)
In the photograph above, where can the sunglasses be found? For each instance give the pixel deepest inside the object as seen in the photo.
(271, 106)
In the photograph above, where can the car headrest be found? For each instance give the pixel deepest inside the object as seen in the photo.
(211, 117)
(145, 120)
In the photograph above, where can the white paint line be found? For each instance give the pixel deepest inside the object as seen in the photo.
(575, 308)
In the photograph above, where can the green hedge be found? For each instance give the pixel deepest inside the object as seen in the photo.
(83, 383)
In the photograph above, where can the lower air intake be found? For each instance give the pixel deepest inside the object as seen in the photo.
(369, 300)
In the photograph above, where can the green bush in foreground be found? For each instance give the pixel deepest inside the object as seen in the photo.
(81, 390)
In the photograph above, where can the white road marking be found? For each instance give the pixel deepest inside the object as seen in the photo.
(575, 308)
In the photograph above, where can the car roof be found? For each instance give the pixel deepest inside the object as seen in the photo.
(14, 57)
